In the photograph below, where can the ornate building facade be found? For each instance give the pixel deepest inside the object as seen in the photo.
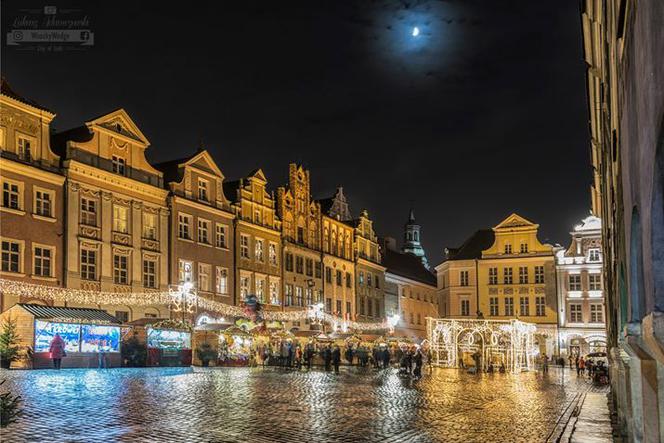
(201, 227)
(369, 271)
(581, 298)
(301, 236)
(257, 242)
(412, 239)
(32, 205)
(117, 219)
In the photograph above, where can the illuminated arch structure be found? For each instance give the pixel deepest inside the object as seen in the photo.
(511, 342)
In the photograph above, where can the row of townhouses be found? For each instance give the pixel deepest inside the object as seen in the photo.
(84, 209)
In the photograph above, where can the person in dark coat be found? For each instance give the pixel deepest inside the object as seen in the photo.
(386, 358)
(309, 354)
(57, 350)
(327, 358)
(336, 358)
(409, 361)
(349, 355)
(376, 356)
(417, 359)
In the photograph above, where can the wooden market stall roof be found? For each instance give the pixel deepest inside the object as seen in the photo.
(61, 313)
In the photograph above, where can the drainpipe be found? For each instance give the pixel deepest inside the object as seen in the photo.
(477, 288)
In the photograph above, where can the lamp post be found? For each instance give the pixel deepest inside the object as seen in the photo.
(184, 298)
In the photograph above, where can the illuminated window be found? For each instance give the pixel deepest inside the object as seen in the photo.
(361, 277)
(204, 277)
(463, 278)
(493, 306)
(222, 280)
(539, 274)
(299, 301)
(23, 147)
(244, 286)
(149, 226)
(508, 248)
(575, 282)
(575, 313)
(594, 282)
(507, 276)
(465, 307)
(120, 269)
(274, 292)
(203, 193)
(509, 306)
(524, 306)
(220, 236)
(596, 313)
(185, 271)
(493, 276)
(289, 295)
(120, 219)
(523, 248)
(594, 255)
(184, 226)
(149, 273)
(272, 252)
(244, 246)
(11, 195)
(118, 165)
(42, 261)
(88, 264)
(88, 212)
(309, 295)
(523, 275)
(260, 289)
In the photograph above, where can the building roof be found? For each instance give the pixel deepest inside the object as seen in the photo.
(472, 248)
(51, 312)
(7, 90)
(170, 168)
(230, 190)
(408, 266)
(79, 134)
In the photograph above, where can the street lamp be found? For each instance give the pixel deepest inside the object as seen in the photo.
(184, 298)
(393, 321)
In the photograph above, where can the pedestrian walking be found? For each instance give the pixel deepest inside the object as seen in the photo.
(376, 356)
(591, 366)
(327, 358)
(298, 357)
(430, 360)
(57, 350)
(570, 361)
(417, 359)
(386, 358)
(349, 354)
(336, 358)
(309, 355)
(582, 366)
(545, 364)
(409, 362)
(576, 362)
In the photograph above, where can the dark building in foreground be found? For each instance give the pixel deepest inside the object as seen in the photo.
(624, 52)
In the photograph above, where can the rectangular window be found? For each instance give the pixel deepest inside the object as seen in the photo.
(575, 313)
(310, 267)
(540, 309)
(508, 248)
(244, 286)
(299, 299)
(222, 280)
(184, 226)
(273, 254)
(596, 313)
(377, 283)
(123, 316)
(524, 248)
(349, 280)
(575, 282)
(339, 278)
(120, 269)
(509, 306)
(289, 262)
(523, 275)
(361, 277)
(185, 271)
(11, 256)
(348, 309)
(524, 306)
(260, 289)
(11, 195)
(465, 307)
(149, 273)
(43, 203)
(258, 249)
(203, 231)
(149, 226)
(274, 292)
(118, 165)
(88, 264)
(493, 306)
(203, 190)
(339, 312)
(289, 295)
(24, 146)
(493, 276)
(220, 236)
(309, 294)
(507, 276)
(328, 275)
(463, 278)
(369, 278)
(120, 219)
(539, 274)
(595, 282)
(299, 264)
(412, 321)
(419, 318)
(361, 307)
(318, 268)
(42, 261)
(88, 212)
(593, 255)
(244, 246)
(328, 305)
(203, 277)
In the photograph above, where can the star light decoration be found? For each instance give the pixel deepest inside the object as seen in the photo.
(173, 297)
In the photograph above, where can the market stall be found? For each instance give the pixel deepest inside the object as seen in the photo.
(235, 347)
(91, 336)
(168, 341)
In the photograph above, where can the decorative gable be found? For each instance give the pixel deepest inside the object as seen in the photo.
(515, 221)
(119, 123)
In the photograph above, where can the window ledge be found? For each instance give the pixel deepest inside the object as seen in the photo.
(187, 240)
(207, 245)
(12, 210)
(223, 248)
(14, 274)
(40, 277)
(44, 218)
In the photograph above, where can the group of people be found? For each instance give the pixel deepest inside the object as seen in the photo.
(586, 366)
(411, 362)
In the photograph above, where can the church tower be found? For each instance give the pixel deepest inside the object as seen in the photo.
(411, 240)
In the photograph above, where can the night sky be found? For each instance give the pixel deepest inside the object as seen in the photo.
(481, 115)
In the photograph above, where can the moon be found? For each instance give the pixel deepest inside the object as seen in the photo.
(416, 31)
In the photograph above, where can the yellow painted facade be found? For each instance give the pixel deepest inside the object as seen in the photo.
(339, 268)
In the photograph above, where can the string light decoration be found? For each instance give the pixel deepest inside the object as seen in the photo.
(168, 298)
(513, 341)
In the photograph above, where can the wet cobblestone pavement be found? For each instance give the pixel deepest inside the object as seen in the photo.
(268, 405)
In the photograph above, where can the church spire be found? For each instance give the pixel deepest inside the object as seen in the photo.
(411, 240)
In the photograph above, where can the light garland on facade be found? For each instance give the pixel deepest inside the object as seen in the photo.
(166, 298)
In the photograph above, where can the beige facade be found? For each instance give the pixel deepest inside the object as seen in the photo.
(302, 261)
(117, 218)
(339, 278)
(201, 237)
(32, 205)
(417, 301)
(258, 262)
(370, 273)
